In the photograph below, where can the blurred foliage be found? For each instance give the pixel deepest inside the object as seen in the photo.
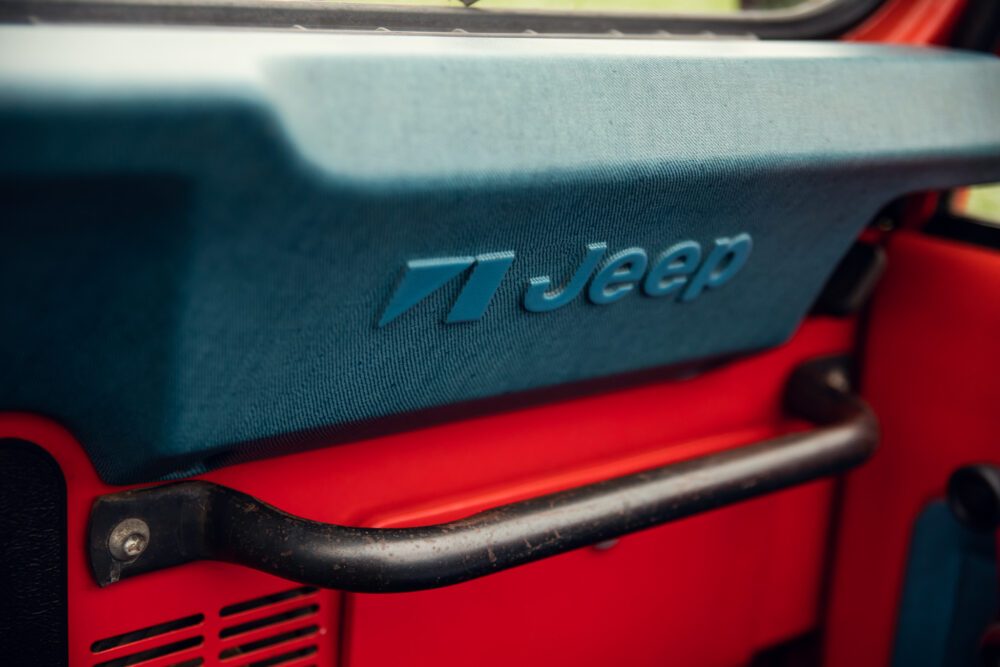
(981, 202)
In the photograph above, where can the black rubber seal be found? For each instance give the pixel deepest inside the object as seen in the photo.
(825, 21)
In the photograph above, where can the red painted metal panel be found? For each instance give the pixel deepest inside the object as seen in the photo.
(707, 590)
(931, 362)
(918, 22)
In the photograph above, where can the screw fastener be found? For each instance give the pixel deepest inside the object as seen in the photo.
(837, 378)
(134, 545)
(128, 540)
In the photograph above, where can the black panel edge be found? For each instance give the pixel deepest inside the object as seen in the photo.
(978, 28)
(823, 21)
(965, 230)
(34, 622)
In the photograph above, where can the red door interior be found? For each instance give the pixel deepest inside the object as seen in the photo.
(813, 574)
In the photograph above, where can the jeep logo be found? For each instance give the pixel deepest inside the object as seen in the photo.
(678, 270)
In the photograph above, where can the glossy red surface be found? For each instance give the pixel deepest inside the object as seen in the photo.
(708, 590)
(918, 22)
(931, 362)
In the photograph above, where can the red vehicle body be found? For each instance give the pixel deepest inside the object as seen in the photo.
(813, 574)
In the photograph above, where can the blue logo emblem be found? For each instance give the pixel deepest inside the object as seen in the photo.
(682, 270)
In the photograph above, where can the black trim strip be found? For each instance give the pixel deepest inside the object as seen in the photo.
(823, 21)
(978, 29)
(966, 230)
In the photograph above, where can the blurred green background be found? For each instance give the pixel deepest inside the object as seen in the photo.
(981, 202)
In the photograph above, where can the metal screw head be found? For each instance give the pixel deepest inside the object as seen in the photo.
(134, 545)
(128, 539)
(837, 378)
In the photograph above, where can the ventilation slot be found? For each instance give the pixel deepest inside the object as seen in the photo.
(284, 657)
(267, 600)
(272, 630)
(148, 643)
(250, 647)
(288, 628)
(146, 633)
(149, 654)
(250, 626)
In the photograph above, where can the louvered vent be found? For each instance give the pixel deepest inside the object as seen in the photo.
(279, 629)
(145, 644)
(284, 629)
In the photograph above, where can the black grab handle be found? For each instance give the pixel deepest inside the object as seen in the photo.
(140, 531)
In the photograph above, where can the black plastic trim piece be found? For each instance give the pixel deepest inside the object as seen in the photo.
(197, 520)
(974, 496)
(965, 230)
(978, 29)
(853, 281)
(817, 22)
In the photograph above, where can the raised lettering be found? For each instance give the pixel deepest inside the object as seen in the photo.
(726, 258)
(672, 268)
(538, 299)
(678, 270)
(617, 277)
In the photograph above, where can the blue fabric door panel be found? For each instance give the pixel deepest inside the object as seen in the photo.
(203, 230)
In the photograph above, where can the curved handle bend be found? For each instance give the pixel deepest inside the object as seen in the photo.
(197, 520)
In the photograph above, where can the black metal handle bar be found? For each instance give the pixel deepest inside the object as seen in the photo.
(139, 531)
